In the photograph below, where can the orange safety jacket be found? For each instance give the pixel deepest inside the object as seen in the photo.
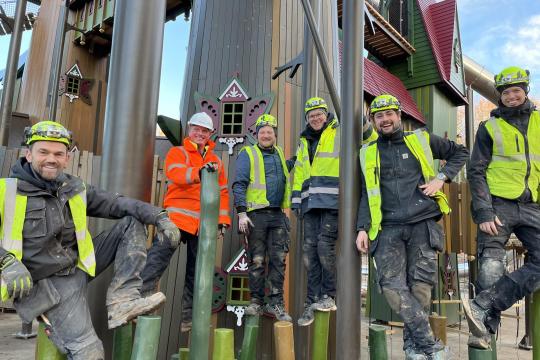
(183, 197)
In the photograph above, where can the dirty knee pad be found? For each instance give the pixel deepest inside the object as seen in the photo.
(393, 298)
(422, 293)
(490, 271)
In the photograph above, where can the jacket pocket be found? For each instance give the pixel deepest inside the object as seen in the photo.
(41, 299)
(35, 224)
(436, 235)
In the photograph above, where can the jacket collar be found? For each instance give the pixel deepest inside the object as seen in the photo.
(192, 147)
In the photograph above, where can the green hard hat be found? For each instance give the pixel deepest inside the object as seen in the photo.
(512, 75)
(266, 120)
(47, 131)
(384, 102)
(315, 103)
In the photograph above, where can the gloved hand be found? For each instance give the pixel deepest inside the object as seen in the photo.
(222, 228)
(166, 229)
(210, 167)
(298, 213)
(15, 276)
(244, 222)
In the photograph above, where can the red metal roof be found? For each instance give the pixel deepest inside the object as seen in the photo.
(439, 20)
(378, 81)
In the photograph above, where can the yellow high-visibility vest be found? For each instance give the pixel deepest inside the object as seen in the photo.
(13, 213)
(506, 174)
(256, 191)
(418, 143)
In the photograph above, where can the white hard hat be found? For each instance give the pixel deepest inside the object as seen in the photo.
(201, 119)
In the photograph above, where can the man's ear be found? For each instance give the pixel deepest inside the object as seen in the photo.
(28, 155)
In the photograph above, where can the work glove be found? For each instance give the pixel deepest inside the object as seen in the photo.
(210, 167)
(166, 229)
(16, 280)
(244, 222)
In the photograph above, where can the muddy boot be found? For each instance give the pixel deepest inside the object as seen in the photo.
(476, 316)
(412, 354)
(254, 309)
(307, 317)
(479, 342)
(121, 313)
(278, 311)
(326, 303)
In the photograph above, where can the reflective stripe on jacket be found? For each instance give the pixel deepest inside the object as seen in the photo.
(256, 191)
(183, 197)
(13, 214)
(515, 163)
(319, 180)
(418, 143)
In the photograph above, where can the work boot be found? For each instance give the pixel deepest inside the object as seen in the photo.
(412, 354)
(121, 313)
(278, 310)
(185, 325)
(326, 303)
(307, 317)
(475, 318)
(479, 342)
(254, 309)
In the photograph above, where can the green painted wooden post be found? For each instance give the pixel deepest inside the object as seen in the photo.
(479, 354)
(377, 343)
(145, 346)
(535, 320)
(223, 344)
(319, 343)
(204, 266)
(122, 342)
(184, 354)
(494, 347)
(45, 349)
(249, 344)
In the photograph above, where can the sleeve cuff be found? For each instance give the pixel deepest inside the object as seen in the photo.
(483, 215)
(240, 209)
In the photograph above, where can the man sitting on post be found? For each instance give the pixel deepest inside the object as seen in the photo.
(47, 255)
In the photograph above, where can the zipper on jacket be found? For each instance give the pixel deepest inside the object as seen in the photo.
(517, 143)
(528, 159)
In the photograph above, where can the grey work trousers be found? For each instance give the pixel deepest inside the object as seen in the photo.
(62, 299)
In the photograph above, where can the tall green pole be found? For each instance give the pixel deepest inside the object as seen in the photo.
(204, 266)
(377, 343)
(319, 345)
(535, 313)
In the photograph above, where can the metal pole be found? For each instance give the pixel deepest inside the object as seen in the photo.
(132, 97)
(349, 264)
(10, 76)
(469, 119)
(61, 36)
(323, 59)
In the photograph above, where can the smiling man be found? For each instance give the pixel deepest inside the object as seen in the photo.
(400, 205)
(183, 166)
(504, 176)
(47, 256)
(261, 192)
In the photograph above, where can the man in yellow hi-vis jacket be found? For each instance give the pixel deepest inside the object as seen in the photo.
(399, 206)
(47, 254)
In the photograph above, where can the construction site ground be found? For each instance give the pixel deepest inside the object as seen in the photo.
(15, 349)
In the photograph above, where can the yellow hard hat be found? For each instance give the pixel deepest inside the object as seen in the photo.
(47, 131)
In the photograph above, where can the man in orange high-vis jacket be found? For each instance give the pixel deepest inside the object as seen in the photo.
(183, 166)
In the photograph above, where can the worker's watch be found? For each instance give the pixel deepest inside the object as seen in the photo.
(441, 176)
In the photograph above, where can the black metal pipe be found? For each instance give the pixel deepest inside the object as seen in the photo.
(10, 76)
(61, 36)
(323, 59)
(349, 263)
